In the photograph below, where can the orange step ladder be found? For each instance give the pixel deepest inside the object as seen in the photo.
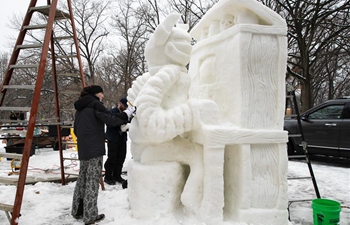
(58, 70)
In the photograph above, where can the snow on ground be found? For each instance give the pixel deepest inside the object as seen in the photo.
(49, 203)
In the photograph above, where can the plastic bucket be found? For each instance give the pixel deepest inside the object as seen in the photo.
(326, 212)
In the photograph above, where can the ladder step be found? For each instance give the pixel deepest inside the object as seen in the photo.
(66, 56)
(30, 87)
(300, 200)
(9, 108)
(24, 66)
(13, 132)
(67, 124)
(11, 155)
(34, 27)
(73, 159)
(8, 181)
(294, 135)
(69, 74)
(29, 46)
(71, 174)
(298, 178)
(69, 142)
(45, 10)
(6, 207)
(296, 156)
(14, 123)
(19, 123)
(63, 38)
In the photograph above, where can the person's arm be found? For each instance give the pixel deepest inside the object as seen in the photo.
(106, 115)
(121, 115)
(110, 119)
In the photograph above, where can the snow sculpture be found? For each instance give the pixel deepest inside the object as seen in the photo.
(209, 145)
(163, 114)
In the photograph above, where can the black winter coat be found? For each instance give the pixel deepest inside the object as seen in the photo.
(113, 133)
(90, 118)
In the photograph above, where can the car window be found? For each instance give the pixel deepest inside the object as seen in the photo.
(347, 111)
(328, 112)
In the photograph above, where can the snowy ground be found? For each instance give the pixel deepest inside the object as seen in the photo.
(49, 203)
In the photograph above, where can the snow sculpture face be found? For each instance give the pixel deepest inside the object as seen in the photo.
(178, 47)
(226, 21)
(169, 44)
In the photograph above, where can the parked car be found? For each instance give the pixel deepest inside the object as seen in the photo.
(326, 129)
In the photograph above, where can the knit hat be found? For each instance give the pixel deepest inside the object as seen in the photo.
(93, 89)
(124, 101)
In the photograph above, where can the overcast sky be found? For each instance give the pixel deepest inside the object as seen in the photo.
(7, 9)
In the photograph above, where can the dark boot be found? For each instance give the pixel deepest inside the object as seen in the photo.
(108, 174)
(98, 219)
(110, 182)
(119, 180)
(117, 173)
(125, 184)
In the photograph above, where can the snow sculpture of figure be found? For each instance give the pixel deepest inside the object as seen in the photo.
(214, 144)
(164, 115)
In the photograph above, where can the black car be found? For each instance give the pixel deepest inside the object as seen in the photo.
(326, 129)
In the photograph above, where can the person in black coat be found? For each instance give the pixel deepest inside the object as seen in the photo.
(117, 139)
(90, 119)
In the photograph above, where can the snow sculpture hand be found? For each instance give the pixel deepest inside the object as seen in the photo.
(204, 111)
(130, 112)
(125, 127)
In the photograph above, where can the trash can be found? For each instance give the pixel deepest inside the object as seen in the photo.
(326, 211)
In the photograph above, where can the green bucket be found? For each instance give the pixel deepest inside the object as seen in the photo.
(326, 212)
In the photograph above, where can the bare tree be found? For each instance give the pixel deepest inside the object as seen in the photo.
(318, 34)
(191, 11)
(90, 17)
(128, 60)
(150, 12)
(4, 58)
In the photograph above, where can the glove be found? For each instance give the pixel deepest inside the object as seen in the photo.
(125, 127)
(130, 112)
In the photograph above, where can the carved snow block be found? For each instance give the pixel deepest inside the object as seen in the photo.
(241, 74)
(242, 68)
(154, 189)
(255, 184)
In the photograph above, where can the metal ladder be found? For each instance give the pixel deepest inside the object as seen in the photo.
(59, 70)
(292, 101)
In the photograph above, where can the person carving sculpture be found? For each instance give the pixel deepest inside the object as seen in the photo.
(116, 137)
(90, 119)
(164, 112)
